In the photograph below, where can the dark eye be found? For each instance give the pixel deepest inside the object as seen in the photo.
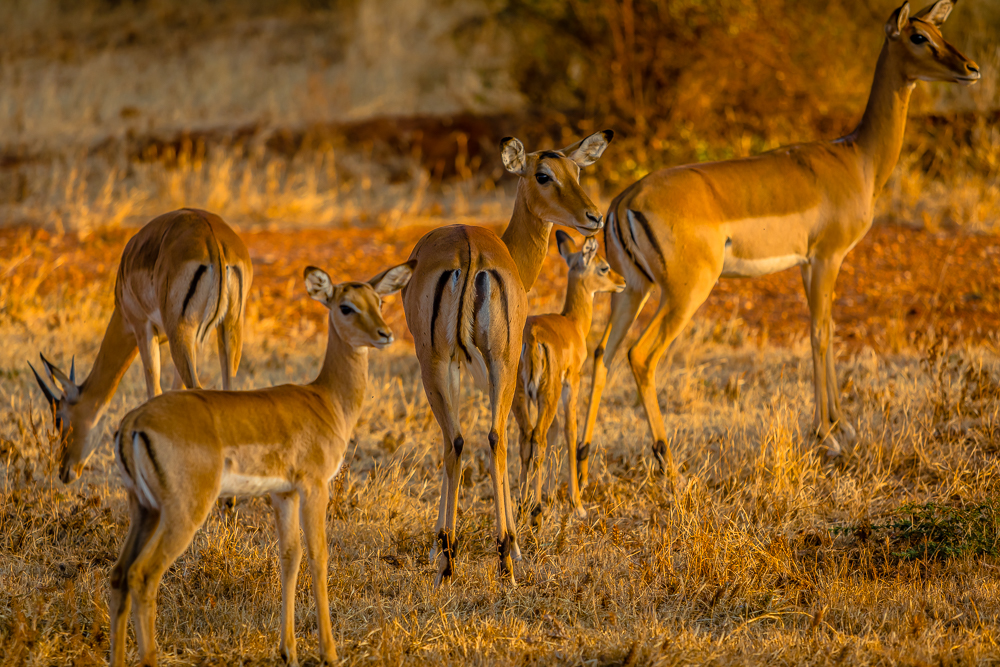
(347, 310)
(542, 178)
(917, 38)
(604, 270)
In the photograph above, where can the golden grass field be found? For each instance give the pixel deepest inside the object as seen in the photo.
(770, 556)
(113, 112)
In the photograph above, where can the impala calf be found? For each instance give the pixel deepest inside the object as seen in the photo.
(466, 306)
(681, 229)
(182, 275)
(553, 352)
(181, 451)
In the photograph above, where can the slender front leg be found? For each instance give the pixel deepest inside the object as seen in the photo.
(524, 428)
(570, 408)
(624, 308)
(313, 502)
(819, 280)
(286, 518)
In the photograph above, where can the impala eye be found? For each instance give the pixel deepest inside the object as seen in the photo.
(542, 178)
(604, 270)
(918, 39)
(347, 310)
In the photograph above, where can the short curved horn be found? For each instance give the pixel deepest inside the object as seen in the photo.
(72, 370)
(49, 396)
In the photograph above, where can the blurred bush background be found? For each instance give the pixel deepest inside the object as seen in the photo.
(385, 112)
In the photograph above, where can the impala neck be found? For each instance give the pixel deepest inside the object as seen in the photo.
(344, 374)
(118, 349)
(526, 238)
(579, 305)
(879, 135)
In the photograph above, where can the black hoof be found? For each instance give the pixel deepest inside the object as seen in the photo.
(583, 452)
(660, 452)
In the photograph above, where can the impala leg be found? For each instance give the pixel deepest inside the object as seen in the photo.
(524, 428)
(569, 407)
(673, 312)
(624, 308)
(833, 390)
(441, 384)
(819, 280)
(502, 383)
(230, 340)
(313, 506)
(286, 518)
(548, 404)
(142, 523)
(184, 351)
(149, 352)
(171, 537)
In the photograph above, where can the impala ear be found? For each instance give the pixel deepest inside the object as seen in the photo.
(319, 285)
(565, 244)
(512, 153)
(588, 151)
(589, 250)
(897, 21)
(936, 13)
(394, 279)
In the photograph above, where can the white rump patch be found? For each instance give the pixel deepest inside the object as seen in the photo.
(478, 369)
(739, 267)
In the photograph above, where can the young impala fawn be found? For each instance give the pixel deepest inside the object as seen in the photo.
(467, 303)
(182, 450)
(182, 275)
(553, 352)
(679, 230)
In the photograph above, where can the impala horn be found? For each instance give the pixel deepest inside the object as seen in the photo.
(49, 396)
(69, 388)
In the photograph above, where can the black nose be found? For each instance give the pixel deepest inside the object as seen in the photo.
(972, 67)
(596, 219)
(384, 334)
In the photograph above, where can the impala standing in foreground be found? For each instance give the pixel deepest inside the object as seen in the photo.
(180, 451)
(681, 229)
(553, 352)
(183, 274)
(467, 303)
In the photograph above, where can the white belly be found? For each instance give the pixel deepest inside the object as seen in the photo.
(738, 267)
(235, 484)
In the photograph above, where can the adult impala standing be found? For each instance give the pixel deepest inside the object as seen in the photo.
(466, 304)
(183, 274)
(682, 229)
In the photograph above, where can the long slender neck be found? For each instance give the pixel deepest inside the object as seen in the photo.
(118, 349)
(344, 375)
(879, 135)
(579, 304)
(527, 239)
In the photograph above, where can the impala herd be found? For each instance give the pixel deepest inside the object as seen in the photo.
(465, 298)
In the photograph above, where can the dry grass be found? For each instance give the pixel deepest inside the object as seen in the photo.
(769, 556)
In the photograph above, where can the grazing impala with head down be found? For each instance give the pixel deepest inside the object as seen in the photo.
(682, 229)
(182, 275)
(180, 451)
(553, 352)
(466, 306)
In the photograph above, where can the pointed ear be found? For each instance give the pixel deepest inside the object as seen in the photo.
(589, 249)
(512, 153)
(394, 279)
(565, 244)
(936, 13)
(69, 389)
(319, 285)
(897, 21)
(588, 151)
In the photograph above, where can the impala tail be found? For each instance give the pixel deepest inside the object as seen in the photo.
(534, 360)
(137, 464)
